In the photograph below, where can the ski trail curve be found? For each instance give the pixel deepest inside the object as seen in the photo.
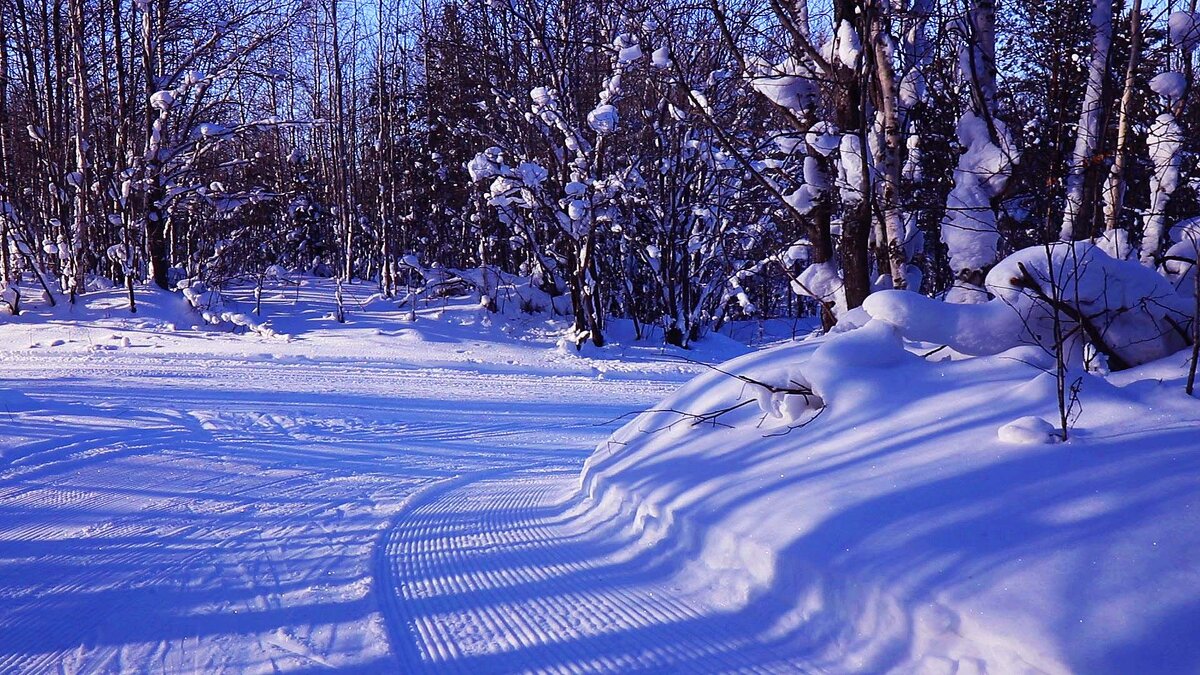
(492, 573)
(234, 514)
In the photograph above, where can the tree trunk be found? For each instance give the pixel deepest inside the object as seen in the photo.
(1083, 173)
(889, 188)
(1115, 188)
(153, 192)
(81, 244)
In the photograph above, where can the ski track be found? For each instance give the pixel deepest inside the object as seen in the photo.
(236, 514)
(491, 574)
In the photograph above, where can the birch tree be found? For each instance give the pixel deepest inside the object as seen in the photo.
(1085, 164)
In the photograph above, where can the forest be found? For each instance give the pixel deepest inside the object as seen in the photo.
(678, 163)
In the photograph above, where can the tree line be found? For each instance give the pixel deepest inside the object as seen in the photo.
(677, 163)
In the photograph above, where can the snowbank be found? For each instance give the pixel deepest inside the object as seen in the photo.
(923, 520)
(1132, 314)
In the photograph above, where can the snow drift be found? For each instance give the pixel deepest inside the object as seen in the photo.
(924, 519)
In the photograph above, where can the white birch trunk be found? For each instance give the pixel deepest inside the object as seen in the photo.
(1114, 188)
(1087, 139)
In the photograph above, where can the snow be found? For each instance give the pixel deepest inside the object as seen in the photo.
(603, 119)
(213, 129)
(969, 227)
(1088, 131)
(850, 168)
(577, 209)
(162, 100)
(1165, 138)
(912, 89)
(823, 138)
(1170, 85)
(628, 49)
(822, 282)
(815, 177)
(788, 84)
(893, 530)
(797, 252)
(978, 329)
(629, 54)
(801, 199)
(848, 46)
(788, 144)
(661, 58)
(452, 493)
(484, 165)
(1187, 230)
(189, 500)
(1028, 430)
(1179, 263)
(1165, 141)
(912, 169)
(989, 163)
(1115, 243)
(1132, 307)
(542, 96)
(1184, 28)
(532, 174)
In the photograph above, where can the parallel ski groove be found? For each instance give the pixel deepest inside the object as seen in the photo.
(184, 518)
(455, 604)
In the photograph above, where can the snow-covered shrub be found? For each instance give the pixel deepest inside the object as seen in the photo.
(216, 310)
(1125, 312)
(1129, 313)
(1179, 263)
(497, 290)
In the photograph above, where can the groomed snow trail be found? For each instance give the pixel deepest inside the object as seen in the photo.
(210, 511)
(497, 574)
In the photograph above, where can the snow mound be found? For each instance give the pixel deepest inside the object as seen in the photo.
(889, 527)
(105, 306)
(977, 329)
(1028, 430)
(1127, 310)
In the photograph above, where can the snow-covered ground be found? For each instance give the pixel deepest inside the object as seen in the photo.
(923, 519)
(448, 495)
(198, 501)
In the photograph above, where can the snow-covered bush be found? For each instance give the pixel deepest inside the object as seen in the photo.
(496, 290)
(216, 310)
(1125, 312)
